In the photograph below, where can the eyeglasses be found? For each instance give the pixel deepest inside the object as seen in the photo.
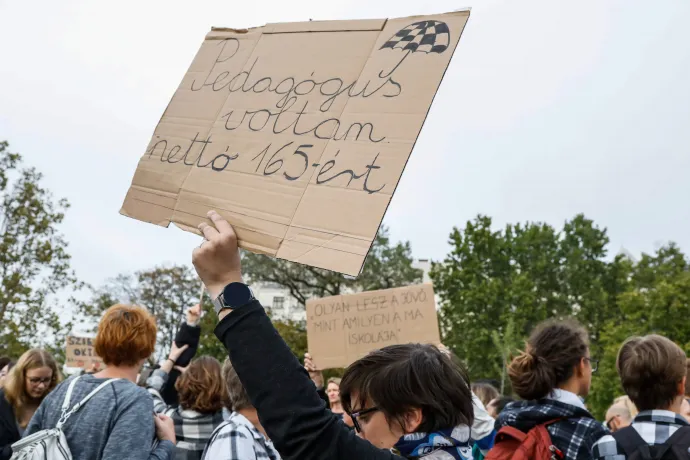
(355, 415)
(39, 380)
(594, 363)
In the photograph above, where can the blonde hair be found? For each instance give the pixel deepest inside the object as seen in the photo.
(15, 385)
(335, 380)
(625, 401)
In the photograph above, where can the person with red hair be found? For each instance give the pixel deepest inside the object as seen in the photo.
(118, 421)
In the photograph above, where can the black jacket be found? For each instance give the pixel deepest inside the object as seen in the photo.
(9, 433)
(291, 412)
(186, 335)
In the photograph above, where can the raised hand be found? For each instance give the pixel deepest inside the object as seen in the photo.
(194, 315)
(217, 260)
(314, 373)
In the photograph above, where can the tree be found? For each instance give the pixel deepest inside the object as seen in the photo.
(166, 292)
(497, 285)
(34, 263)
(507, 345)
(386, 266)
(656, 301)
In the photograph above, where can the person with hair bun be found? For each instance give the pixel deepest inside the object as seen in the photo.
(118, 421)
(552, 376)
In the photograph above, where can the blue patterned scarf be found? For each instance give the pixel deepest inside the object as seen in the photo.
(421, 445)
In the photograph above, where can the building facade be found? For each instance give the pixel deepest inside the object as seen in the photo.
(282, 306)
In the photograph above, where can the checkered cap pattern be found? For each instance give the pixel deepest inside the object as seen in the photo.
(422, 36)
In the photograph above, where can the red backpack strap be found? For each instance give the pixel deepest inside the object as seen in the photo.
(545, 436)
(510, 432)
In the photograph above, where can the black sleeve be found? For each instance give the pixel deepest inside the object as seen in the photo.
(291, 412)
(169, 392)
(322, 394)
(187, 335)
(6, 453)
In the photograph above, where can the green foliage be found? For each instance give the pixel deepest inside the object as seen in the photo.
(524, 274)
(507, 345)
(386, 266)
(34, 263)
(167, 292)
(657, 301)
(496, 285)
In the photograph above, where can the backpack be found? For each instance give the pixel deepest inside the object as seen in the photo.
(636, 448)
(51, 444)
(513, 444)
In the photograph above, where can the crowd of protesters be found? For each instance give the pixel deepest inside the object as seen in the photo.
(409, 401)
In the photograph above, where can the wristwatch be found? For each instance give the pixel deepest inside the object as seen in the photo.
(234, 295)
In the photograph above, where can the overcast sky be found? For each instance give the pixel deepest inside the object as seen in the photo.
(548, 109)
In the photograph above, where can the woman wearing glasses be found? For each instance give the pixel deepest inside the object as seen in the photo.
(552, 376)
(27, 384)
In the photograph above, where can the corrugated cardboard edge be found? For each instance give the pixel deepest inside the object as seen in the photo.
(326, 26)
(217, 33)
(440, 82)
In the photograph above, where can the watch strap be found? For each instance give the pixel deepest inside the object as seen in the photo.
(219, 303)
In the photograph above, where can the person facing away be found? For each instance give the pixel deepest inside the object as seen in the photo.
(485, 392)
(551, 376)
(27, 384)
(406, 401)
(618, 417)
(625, 401)
(653, 374)
(200, 393)
(118, 422)
(241, 436)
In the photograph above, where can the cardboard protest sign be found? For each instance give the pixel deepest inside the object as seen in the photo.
(342, 329)
(80, 353)
(296, 133)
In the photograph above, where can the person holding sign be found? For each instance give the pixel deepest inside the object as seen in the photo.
(118, 421)
(406, 401)
(330, 394)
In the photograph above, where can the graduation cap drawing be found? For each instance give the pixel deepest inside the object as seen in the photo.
(423, 37)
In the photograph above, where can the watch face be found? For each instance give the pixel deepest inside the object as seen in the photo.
(237, 295)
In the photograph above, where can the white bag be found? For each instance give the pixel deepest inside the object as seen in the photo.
(51, 444)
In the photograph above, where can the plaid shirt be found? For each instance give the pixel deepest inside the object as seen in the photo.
(574, 435)
(192, 429)
(654, 426)
(238, 439)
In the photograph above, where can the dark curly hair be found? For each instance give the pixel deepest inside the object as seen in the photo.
(552, 352)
